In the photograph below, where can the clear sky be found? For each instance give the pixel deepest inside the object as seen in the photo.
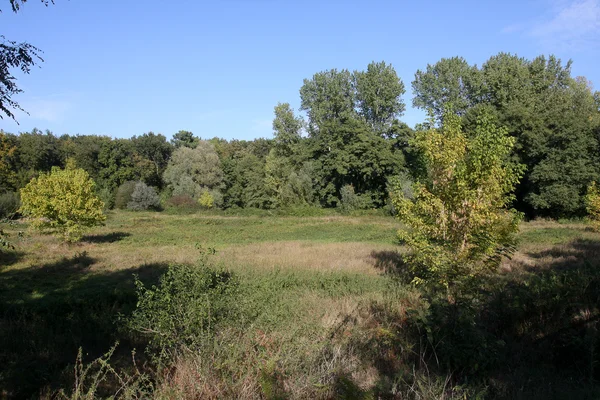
(217, 68)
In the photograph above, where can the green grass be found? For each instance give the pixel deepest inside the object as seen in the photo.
(306, 323)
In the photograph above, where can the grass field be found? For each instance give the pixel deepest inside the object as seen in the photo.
(329, 316)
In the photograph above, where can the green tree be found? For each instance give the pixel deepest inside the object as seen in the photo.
(379, 93)
(184, 139)
(155, 149)
(328, 96)
(117, 164)
(286, 130)
(450, 81)
(349, 152)
(458, 224)
(7, 175)
(62, 201)
(192, 171)
(566, 152)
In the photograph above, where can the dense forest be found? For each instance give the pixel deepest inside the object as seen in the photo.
(347, 144)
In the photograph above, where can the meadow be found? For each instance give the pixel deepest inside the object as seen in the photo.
(324, 311)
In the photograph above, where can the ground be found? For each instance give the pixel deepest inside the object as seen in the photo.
(309, 276)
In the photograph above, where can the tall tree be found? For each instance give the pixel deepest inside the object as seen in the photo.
(379, 93)
(328, 96)
(286, 130)
(450, 81)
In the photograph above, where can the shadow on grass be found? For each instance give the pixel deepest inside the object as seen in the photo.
(106, 238)
(47, 312)
(532, 333)
(10, 257)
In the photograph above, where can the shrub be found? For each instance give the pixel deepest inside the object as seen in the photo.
(123, 195)
(143, 198)
(185, 309)
(9, 204)
(63, 201)
(206, 200)
(349, 200)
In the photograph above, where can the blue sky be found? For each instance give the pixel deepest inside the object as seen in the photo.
(125, 67)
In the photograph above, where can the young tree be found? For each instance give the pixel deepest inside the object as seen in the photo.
(62, 201)
(458, 222)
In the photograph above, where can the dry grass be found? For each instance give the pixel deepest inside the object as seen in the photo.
(348, 257)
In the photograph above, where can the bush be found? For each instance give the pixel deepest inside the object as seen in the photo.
(143, 198)
(63, 201)
(206, 200)
(185, 309)
(9, 204)
(123, 196)
(351, 201)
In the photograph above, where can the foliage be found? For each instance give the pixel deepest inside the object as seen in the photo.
(157, 150)
(9, 204)
(286, 130)
(21, 56)
(349, 201)
(143, 197)
(592, 200)
(206, 200)
(459, 224)
(450, 81)
(191, 171)
(7, 175)
(552, 116)
(123, 195)
(62, 201)
(348, 152)
(379, 93)
(184, 139)
(185, 308)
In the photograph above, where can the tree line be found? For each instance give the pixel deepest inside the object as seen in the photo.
(351, 146)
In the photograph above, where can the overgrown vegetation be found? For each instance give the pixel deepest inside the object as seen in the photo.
(303, 307)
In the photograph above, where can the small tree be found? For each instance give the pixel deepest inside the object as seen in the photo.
(458, 222)
(62, 201)
(206, 200)
(143, 198)
(592, 203)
